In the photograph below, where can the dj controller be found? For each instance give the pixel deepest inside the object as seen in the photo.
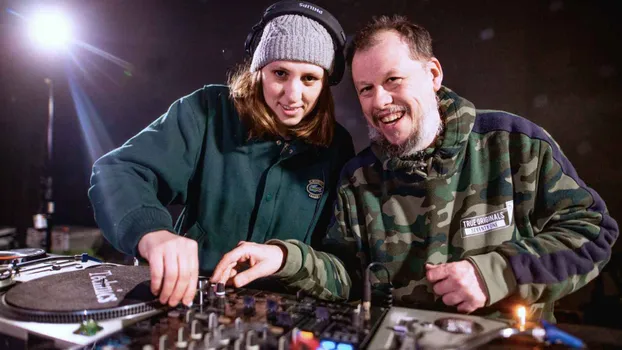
(77, 302)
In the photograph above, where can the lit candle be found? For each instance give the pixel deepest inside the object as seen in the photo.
(521, 312)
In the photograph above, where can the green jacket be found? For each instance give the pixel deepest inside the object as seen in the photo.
(232, 189)
(495, 189)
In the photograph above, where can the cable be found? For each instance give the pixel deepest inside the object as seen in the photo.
(367, 286)
(374, 264)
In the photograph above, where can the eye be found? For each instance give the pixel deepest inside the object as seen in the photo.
(280, 73)
(364, 89)
(310, 78)
(394, 80)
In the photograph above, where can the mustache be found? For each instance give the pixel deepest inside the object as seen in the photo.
(381, 113)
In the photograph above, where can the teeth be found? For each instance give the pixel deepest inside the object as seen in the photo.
(391, 117)
(288, 108)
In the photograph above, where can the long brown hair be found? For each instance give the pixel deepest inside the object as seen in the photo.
(246, 90)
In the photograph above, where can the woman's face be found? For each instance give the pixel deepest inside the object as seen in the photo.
(291, 89)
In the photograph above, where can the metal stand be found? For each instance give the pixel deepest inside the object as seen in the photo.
(43, 220)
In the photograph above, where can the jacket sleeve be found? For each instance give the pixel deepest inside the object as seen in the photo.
(329, 271)
(131, 185)
(567, 244)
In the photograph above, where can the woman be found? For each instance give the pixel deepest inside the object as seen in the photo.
(251, 161)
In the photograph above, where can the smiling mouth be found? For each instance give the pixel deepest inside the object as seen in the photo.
(391, 118)
(288, 108)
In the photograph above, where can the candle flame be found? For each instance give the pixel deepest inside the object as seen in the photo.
(521, 312)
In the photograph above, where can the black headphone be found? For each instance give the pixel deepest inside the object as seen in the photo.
(314, 12)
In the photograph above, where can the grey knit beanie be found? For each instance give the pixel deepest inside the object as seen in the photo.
(294, 38)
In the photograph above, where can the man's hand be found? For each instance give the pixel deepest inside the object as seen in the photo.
(174, 264)
(263, 259)
(458, 284)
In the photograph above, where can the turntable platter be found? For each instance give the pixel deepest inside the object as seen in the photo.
(101, 292)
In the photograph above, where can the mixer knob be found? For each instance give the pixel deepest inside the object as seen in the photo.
(237, 344)
(284, 319)
(272, 308)
(162, 342)
(220, 289)
(322, 314)
(218, 335)
(251, 341)
(282, 343)
(239, 324)
(249, 305)
(181, 341)
(272, 305)
(264, 333)
(201, 316)
(212, 321)
(189, 315)
(210, 292)
(203, 285)
(195, 330)
(356, 317)
(207, 340)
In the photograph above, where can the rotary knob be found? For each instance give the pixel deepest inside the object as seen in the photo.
(249, 305)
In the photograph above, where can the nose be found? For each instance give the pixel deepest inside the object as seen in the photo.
(381, 98)
(293, 90)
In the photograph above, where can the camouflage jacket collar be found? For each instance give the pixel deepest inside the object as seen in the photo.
(444, 157)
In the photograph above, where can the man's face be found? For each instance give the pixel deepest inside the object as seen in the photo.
(398, 94)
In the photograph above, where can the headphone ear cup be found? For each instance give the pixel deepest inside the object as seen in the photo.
(248, 44)
(253, 39)
(338, 69)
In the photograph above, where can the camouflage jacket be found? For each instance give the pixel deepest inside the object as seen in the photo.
(495, 189)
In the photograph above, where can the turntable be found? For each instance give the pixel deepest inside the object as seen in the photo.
(52, 301)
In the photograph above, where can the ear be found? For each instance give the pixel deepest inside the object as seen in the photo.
(434, 67)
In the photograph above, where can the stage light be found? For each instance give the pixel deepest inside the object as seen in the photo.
(50, 30)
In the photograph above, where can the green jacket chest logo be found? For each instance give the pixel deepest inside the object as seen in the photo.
(315, 188)
(488, 222)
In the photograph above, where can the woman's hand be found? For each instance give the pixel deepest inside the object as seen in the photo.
(174, 265)
(261, 259)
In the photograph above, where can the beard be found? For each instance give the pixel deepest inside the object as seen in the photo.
(426, 128)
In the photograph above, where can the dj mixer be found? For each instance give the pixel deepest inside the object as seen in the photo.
(77, 302)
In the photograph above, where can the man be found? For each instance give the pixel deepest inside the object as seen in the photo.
(468, 209)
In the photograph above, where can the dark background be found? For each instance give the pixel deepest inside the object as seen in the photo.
(557, 63)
